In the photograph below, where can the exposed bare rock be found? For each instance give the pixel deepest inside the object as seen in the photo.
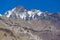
(20, 24)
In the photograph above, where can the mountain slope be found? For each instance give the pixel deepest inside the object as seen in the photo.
(21, 24)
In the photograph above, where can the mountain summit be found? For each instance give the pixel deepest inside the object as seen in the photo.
(21, 12)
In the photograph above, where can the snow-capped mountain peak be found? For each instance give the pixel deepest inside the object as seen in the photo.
(21, 12)
(8, 13)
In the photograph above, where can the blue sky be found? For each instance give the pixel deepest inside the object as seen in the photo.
(43, 5)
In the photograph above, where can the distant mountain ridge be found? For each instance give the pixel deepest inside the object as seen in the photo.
(21, 12)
